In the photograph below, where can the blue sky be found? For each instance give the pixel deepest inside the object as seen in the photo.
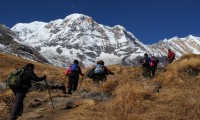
(149, 20)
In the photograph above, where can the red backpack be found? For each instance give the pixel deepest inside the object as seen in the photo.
(151, 63)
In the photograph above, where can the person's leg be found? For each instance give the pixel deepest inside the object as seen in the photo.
(17, 107)
(144, 71)
(75, 83)
(148, 71)
(70, 83)
(169, 61)
(97, 81)
(153, 71)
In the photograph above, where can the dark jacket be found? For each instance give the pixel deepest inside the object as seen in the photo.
(107, 71)
(29, 76)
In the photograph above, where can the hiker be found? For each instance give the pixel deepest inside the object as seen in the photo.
(170, 56)
(73, 72)
(153, 65)
(145, 65)
(20, 92)
(100, 71)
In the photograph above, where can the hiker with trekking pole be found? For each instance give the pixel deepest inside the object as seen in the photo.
(19, 82)
(73, 72)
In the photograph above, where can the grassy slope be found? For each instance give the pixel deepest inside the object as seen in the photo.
(133, 97)
(9, 63)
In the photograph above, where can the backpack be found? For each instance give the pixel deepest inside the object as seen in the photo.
(146, 62)
(152, 62)
(99, 70)
(73, 68)
(14, 79)
(90, 73)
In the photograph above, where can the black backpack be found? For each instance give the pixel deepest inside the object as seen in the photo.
(14, 79)
(90, 73)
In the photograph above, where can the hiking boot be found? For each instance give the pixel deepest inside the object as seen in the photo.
(69, 92)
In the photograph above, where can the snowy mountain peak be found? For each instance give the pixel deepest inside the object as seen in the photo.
(78, 36)
(191, 37)
(9, 44)
(76, 16)
(119, 27)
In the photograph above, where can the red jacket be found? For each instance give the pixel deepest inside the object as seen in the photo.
(171, 55)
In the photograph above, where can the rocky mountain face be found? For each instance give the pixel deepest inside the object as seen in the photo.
(79, 37)
(189, 44)
(9, 44)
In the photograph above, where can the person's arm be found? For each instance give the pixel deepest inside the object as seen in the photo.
(35, 78)
(80, 72)
(108, 71)
(67, 71)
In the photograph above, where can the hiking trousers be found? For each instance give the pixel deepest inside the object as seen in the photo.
(97, 79)
(72, 81)
(153, 71)
(146, 71)
(18, 105)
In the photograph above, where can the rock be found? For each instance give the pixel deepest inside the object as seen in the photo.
(155, 87)
(2, 86)
(40, 110)
(62, 101)
(32, 116)
(36, 102)
(99, 96)
(39, 99)
(193, 72)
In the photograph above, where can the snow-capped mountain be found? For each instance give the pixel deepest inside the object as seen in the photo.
(9, 44)
(180, 46)
(79, 37)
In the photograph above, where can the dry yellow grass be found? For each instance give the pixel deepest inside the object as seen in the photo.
(178, 98)
(9, 63)
(185, 62)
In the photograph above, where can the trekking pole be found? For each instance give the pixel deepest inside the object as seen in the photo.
(80, 82)
(49, 93)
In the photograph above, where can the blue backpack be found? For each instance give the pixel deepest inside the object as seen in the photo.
(73, 68)
(99, 70)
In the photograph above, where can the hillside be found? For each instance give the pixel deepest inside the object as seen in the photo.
(9, 63)
(10, 44)
(172, 94)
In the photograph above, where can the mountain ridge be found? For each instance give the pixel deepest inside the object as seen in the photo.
(9, 43)
(79, 37)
